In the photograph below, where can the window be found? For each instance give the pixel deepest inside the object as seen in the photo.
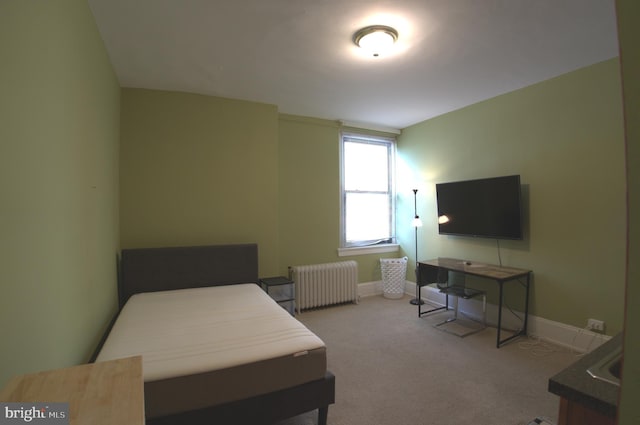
(368, 199)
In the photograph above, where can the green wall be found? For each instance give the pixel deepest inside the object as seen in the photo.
(199, 170)
(309, 182)
(309, 176)
(629, 36)
(59, 185)
(564, 137)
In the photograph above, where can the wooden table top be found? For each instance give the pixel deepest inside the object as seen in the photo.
(103, 393)
(476, 268)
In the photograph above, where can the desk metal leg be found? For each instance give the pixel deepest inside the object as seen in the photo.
(444, 307)
(499, 316)
(525, 323)
(526, 306)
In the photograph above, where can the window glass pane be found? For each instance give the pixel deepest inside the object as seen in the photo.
(367, 217)
(366, 167)
(367, 202)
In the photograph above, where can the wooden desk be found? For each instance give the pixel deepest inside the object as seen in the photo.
(103, 393)
(489, 271)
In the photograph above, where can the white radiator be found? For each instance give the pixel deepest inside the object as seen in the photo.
(319, 285)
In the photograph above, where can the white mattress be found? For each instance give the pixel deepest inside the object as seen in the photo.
(192, 331)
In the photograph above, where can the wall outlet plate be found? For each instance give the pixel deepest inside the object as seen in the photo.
(595, 325)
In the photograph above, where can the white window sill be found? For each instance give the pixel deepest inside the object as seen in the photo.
(373, 249)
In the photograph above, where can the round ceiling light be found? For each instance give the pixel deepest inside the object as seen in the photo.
(375, 39)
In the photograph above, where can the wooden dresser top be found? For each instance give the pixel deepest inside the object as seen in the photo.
(100, 393)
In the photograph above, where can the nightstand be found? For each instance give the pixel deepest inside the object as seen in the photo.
(282, 290)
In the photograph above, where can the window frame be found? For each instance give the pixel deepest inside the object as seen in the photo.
(362, 247)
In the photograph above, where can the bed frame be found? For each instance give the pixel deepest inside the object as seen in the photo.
(162, 269)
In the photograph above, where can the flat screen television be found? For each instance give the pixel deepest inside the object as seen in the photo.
(485, 208)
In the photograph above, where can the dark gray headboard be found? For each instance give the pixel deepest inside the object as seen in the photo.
(163, 269)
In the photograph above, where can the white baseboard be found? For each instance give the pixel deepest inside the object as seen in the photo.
(568, 336)
(369, 289)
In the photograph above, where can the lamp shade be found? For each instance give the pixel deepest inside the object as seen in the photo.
(443, 219)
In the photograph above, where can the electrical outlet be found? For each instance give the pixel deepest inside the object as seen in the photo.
(595, 325)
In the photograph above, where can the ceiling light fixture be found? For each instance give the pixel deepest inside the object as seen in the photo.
(375, 39)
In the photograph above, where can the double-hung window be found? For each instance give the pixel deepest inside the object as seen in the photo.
(368, 198)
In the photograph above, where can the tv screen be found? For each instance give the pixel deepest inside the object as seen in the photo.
(487, 208)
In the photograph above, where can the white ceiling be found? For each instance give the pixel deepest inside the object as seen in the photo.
(299, 54)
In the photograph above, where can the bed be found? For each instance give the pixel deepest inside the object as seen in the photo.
(215, 347)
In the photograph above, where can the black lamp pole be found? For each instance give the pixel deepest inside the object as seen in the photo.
(416, 223)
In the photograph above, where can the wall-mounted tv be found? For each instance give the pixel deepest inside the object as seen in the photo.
(486, 208)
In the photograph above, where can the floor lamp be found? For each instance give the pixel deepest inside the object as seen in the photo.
(416, 223)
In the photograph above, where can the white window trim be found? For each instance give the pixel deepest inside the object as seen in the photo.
(374, 248)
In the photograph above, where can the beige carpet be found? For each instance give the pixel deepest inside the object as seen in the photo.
(393, 368)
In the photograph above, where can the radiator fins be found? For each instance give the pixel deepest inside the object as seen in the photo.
(319, 285)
